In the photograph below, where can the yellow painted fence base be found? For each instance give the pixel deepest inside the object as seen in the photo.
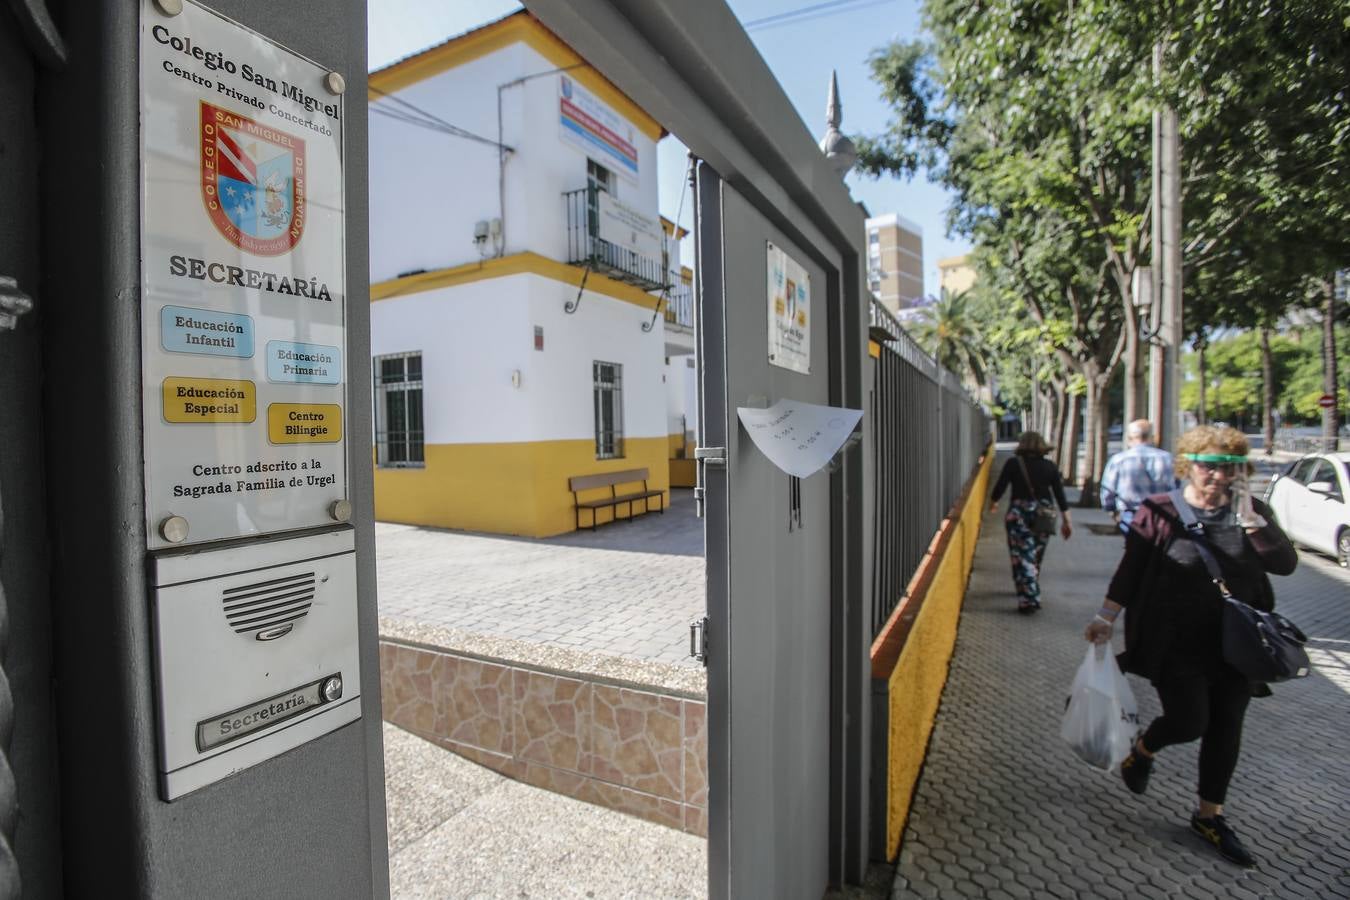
(914, 688)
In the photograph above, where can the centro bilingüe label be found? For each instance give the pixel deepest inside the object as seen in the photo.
(304, 423)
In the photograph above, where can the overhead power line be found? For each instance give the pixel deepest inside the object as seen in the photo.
(413, 114)
(814, 11)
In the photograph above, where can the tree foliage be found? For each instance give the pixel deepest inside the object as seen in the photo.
(945, 328)
(1037, 115)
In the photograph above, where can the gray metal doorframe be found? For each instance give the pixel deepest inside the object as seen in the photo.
(712, 421)
(258, 832)
(689, 64)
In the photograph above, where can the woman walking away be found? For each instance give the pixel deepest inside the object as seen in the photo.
(1173, 633)
(1033, 479)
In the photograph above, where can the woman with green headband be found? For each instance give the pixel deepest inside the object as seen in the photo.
(1173, 632)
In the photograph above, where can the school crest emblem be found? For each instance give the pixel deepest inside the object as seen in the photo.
(253, 181)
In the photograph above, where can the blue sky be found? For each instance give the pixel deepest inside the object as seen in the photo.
(800, 53)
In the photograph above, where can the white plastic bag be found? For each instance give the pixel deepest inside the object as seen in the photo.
(1102, 719)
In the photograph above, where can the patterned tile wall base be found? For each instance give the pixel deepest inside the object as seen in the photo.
(637, 751)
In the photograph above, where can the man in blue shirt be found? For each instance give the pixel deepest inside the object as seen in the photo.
(1134, 473)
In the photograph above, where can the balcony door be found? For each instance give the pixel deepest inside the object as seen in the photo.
(598, 179)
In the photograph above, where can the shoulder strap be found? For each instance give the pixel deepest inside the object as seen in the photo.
(1196, 532)
(1026, 473)
(1184, 510)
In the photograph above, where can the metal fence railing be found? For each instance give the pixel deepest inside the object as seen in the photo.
(928, 433)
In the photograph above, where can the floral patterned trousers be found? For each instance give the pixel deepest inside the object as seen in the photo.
(1026, 549)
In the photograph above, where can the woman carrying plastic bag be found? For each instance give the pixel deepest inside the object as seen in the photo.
(1174, 631)
(1102, 718)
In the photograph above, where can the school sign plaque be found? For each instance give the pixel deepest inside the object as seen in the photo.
(243, 303)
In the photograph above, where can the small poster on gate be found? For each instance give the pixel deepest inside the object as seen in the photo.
(789, 291)
(799, 438)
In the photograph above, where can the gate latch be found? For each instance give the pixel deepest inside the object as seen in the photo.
(711, 456)
(698, 639)
(705, 456)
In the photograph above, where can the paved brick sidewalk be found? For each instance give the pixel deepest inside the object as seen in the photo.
(1004, 809)
(627, 589)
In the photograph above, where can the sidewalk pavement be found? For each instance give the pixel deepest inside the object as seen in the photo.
(1004, 809)
(459, 830)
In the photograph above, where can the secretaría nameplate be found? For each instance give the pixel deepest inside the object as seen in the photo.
(799, 438)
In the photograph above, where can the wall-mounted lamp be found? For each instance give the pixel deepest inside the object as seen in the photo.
(515, 378)
(1141, 295)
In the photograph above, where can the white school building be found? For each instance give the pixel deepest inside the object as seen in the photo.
(530, 318)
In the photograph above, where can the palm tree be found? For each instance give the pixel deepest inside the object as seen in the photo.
(946, 329)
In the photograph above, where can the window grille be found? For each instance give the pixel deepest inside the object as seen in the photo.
(608, 379)
(399, 430)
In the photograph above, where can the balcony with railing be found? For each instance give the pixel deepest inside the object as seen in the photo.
(680, 307)
(585, 246)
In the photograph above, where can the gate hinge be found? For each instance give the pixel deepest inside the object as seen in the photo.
(698, 639)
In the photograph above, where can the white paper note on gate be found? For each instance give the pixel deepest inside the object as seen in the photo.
(799, 438)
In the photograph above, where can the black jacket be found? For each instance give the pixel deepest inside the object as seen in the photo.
(1044, 476)
(1173, 610)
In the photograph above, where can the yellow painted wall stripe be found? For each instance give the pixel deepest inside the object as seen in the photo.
(510, 488)
(516, 264)
(915, 686)
(520, 27)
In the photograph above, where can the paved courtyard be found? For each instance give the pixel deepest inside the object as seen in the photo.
(628, 589)
(1004, 809)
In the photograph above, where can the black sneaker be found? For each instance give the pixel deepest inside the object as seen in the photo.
(1216, 831)
(1135, 769)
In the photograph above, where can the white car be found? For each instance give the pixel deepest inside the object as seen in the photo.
(1311, 499)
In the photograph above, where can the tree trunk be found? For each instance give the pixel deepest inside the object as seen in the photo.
(1098, 410)
(1331, 415)
(1202, 414)
(1060, 407)
(1068, 448)
(1267, 391)
(1133, 406)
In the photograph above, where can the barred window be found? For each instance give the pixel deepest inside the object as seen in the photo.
(608, 378)
(398, 410)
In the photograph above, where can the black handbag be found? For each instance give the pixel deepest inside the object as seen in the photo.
(1264, 646)
(1046, 519)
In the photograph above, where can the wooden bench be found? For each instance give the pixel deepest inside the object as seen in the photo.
(613, 480)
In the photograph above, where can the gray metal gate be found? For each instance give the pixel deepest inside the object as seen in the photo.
(769, 585)
(788, 630)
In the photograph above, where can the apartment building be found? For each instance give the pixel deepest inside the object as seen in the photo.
(895, 261)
